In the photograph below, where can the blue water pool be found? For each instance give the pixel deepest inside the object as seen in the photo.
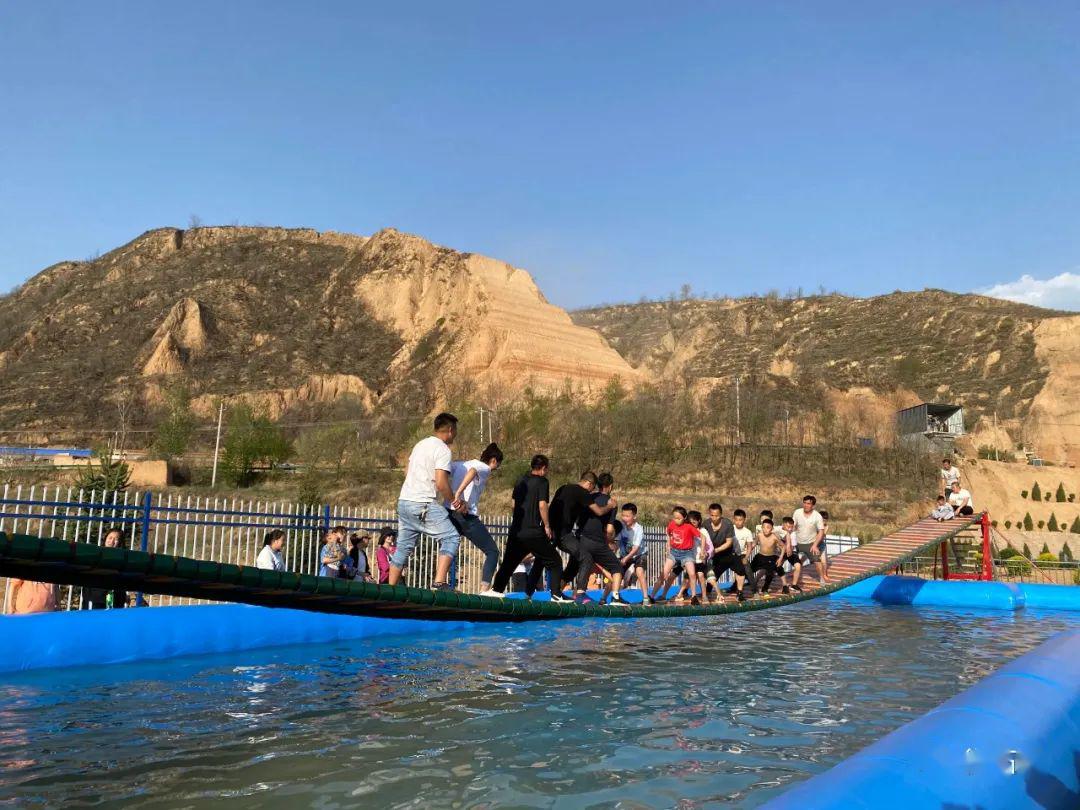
(709, 711)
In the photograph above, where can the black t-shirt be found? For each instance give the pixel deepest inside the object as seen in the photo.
(719, 536)
(528, 493)
(592, 525)
(568, 506)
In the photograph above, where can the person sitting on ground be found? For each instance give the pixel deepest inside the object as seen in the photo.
(384, 553)
(358, 554)
(680, 551)
(633, 550)
(949, 475)
(105, 598)
(942, 511)
(769, 548)
(960, 501)
(468, 479)
(269, 558)
(421, 509)
(810, 535)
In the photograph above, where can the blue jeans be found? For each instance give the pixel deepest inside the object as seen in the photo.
(432, 519)
(471, 527)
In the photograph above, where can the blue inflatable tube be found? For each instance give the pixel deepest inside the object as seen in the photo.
(893, 590)
(98, 637)
(1010, 741)
(1052, 597)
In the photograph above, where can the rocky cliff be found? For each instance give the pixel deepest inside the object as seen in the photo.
(281, 317)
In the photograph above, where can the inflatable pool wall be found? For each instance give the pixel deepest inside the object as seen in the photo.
(893, 590)
(99, 637)
(1010, 741)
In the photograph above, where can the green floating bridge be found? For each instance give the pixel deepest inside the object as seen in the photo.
(74, 563)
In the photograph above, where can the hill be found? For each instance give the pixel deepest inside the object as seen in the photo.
(282, 318)
(1010, 365)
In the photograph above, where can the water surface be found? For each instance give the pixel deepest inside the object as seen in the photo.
(697, 712)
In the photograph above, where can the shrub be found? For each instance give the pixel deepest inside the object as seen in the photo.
(1066, 554)
(1045, 549)
(1052, 524)
(104, 475)
(1059, 496)
(1048, 558)
(1041, 524)
(993, 523)
(1027, 551)
(1008, 524)
(1075, 528)
(1076, 578)
(1008, 553)
(251, 440)
(1023, 493)
(1036, 493)
(1028, 523)
(1017, 565)
(1072, 497)
(1048, 496)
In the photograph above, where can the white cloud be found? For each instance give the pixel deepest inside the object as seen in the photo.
(1060, 292)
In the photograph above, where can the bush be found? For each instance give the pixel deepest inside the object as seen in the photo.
(1076, 578)
(1066, 554)
(1052, 524)
(1048, 496)
(1036, 493)
(993, 523)
(1041, 524)
(104, 474)
(1075, 528)
(1017, 566)
(1023, 493)
(251, 440)
(1048, 558)
(1029, 525)
(1045, 549)
(174, 432)
(1027, 551)
(1060, 496)
(1072, 497)
(1008, 553)
(1008, 524)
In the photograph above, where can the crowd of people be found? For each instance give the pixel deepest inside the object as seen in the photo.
(602, 542)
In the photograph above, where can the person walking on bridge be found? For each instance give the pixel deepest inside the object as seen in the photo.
(420, 504)
(810, 537)
(468, 479)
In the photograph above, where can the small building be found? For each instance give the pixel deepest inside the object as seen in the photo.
(932, 427)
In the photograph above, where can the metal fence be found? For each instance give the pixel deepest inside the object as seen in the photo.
(230, 530)
(1014, 569)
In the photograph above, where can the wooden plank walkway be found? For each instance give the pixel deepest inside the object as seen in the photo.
(69, 563)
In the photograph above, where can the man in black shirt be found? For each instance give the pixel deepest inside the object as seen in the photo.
(593, 549)
(530, 532)
(572, 502)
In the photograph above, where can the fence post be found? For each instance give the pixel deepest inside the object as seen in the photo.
(144, 542)
(326, 518)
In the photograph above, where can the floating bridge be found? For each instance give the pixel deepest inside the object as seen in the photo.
(85, 564)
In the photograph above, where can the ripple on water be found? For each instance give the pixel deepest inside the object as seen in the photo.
(706, 711)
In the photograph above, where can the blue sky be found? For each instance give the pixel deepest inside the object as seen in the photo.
(615, 150)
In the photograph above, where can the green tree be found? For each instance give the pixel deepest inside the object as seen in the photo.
(1029, 524)
(176, 428)
(1060, 495)
(1052, 524)
(104, 474)
(1027, 551)
(1008, 524)
(1023, 493)
(1036, 493)
(1045, 549)
(1066, 554)
(251, 440)
(1040, 524)
(1075, 528)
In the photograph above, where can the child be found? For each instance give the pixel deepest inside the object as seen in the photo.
(790, 554)
(680, 550)
(768, 558)
(333, 553)
(703, 551)
(942, 511)
(744, 539)
(824, 543)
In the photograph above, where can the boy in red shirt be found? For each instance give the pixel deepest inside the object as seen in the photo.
(681, 536)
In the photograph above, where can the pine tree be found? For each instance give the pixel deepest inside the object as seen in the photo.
(1029, 524)
(1027, 551)
(1036, 493)
(1052, 524)
(1045, 549)
(1060, 495)
(1075, 528)
(1066, 552)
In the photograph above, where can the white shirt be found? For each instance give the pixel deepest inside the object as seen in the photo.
(950, 475)
(743, 538)
(475, 489)
(427, 456)
(269, 560)
(807, 526)
(957, 499)
(631, 538)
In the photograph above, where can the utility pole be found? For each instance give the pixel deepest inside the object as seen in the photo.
(482, 424)
(217, 443)
(738, 413)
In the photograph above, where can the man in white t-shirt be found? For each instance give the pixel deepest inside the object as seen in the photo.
(960, 500)
(468, 480)
(810, 537)
(949, 476)
(420, 505)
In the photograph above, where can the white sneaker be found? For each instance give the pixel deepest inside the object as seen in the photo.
(492, 594)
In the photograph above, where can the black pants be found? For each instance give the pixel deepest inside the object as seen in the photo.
(770, 564)
(571, 544)
(520, 546)
(592, 552)
(726, 561)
